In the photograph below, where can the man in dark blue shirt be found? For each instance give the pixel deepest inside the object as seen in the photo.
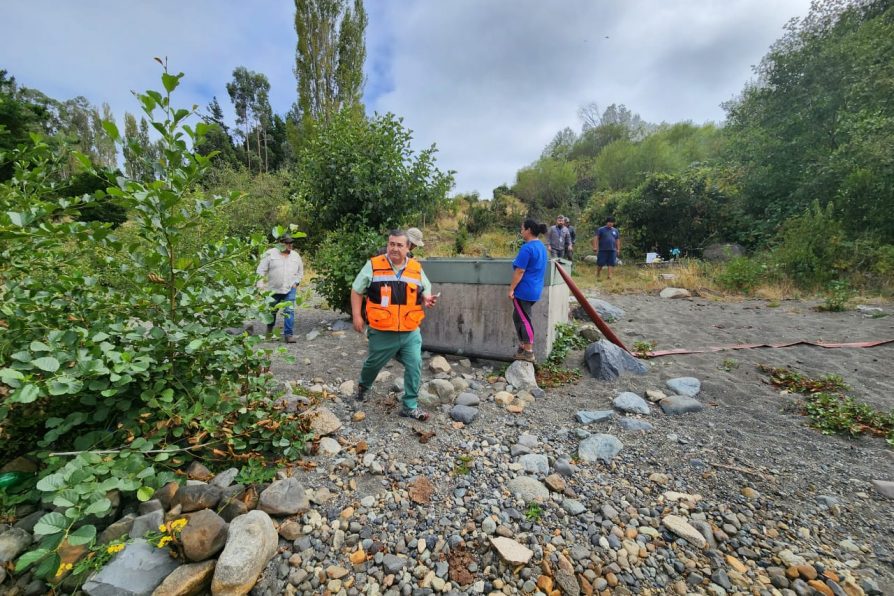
(607, 244)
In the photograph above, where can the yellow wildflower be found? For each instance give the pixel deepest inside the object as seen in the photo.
(178, 524)
(162, 528)
(163, 541)
(114, 548)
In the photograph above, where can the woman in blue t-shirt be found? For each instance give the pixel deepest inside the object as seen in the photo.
(527, 285)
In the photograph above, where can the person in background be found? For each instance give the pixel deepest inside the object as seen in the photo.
(607, 245)
(281, 270)
(557, 238)
(397, 290)
(572, 238)
(414, 237)
(527, 285)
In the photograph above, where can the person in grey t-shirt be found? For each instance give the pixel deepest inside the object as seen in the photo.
(557, 238)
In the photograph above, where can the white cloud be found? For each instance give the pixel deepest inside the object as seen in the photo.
(489, 81)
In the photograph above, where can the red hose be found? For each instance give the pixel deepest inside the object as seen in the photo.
(591, 312)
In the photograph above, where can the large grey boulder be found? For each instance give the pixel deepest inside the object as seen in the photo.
(607, 362)
(135, 571)
(607, 311)
(252, 542)
(284, 497)
(520, 375)
(631, 402)
(535, 463)
(599, 447)
(204, 536)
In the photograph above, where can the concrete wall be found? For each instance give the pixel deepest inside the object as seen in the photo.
(476, 320)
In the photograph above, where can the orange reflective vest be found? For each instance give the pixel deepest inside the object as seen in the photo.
(394, 303)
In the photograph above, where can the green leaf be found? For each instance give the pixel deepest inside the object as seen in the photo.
(25, 394)
(98, 507)
(15, 218)
(30, 558)
(170, 81)
(46, 363)
(145, 493)
(50, 524)
(194, 345)
(83, 535)
(48, 567)
(51, 483)
(111, 129)
(8, 374)
(39, 346)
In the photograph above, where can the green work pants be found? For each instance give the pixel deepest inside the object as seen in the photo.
(385, 345)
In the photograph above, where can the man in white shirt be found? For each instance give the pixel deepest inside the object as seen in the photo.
(281, 270)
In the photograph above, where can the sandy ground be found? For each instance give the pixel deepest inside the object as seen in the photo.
(749, 434)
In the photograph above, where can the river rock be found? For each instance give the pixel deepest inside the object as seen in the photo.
(634, 424)
(631, 402)
(252, 542)
(322, 421)
(443, 389)
(535, 463)
(13, 542)
(591, 416)
(117, 529)
(608, 312)
(204, 536)
(675, 293)
(195, 497)
(464, 414)
(147, 523)
(681, 528)
(329, 447)
(198, 471)
(680, 404)
(884, 488)
(520, 375)
(599, 447)
(225, 478)
(688, 386)
(528, 489)
(511, 551)
(137, 570)
(187, 580)
(393, 563)
(607, 362)
(439, 364)
(284, 497)
(467, 399)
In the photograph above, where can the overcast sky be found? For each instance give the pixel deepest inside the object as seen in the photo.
(489, 81)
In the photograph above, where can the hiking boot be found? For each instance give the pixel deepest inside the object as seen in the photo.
(415, 414)
(526, 355)
(360, 393)
(269, 331)
(289, 339)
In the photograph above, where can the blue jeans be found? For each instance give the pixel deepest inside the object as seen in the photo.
(288, 312)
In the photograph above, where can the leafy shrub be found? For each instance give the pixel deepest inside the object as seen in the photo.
(740, 274)
(339, 260)
(359, 171)
(838, 294)
(124, 382)
(813, 251)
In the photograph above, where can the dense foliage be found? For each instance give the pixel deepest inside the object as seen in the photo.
(114, 346)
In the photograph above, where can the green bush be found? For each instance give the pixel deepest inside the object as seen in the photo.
(838, 293)
(113, 386)
(741, 274)
(814, 250)
(339, 260)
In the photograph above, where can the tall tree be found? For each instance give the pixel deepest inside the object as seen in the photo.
(330, 54)
(250, 91)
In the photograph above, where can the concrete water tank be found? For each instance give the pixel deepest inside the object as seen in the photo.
(474, 314)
